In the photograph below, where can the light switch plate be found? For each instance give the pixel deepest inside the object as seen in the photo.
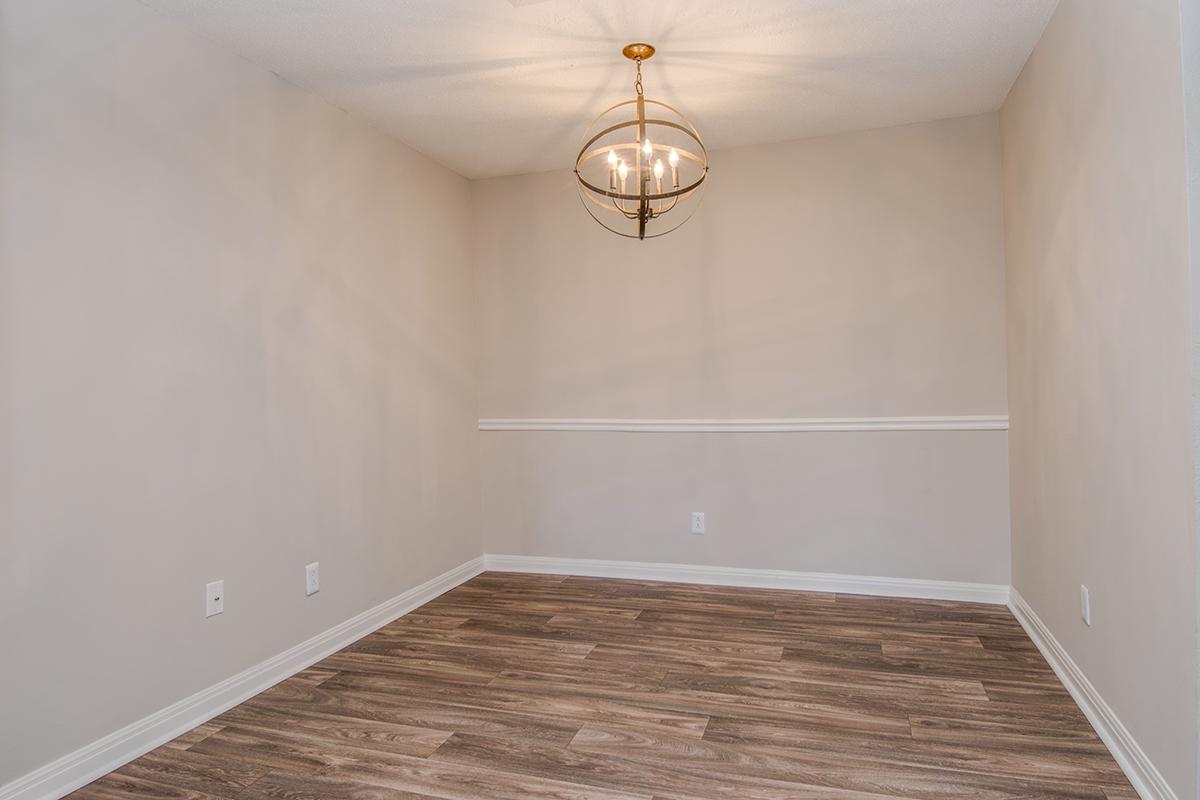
(698, 522)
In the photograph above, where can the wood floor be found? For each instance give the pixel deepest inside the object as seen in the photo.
(526, 687)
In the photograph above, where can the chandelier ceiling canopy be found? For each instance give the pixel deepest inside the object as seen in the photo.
(642, 166)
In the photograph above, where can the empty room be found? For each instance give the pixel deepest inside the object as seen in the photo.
(596, 400)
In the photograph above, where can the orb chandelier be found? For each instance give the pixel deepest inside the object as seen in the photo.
(642, 166)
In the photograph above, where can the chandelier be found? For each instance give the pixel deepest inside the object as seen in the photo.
(641, 172)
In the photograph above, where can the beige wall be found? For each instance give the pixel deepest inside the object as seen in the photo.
(848, 276)
(853, 275)
(237, 337)
(897, 504)
(1098, 335)
(1190, 48)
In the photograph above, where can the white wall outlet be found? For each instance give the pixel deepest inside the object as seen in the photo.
(1085, 604)
(312, 578)
(698, 522)
(214, 598)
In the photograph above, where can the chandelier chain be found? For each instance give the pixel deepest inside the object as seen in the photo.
(637, 84)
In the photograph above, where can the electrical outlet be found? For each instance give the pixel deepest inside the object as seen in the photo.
(214, 598)
(312, 578)
(1085, 604)
(698, 522)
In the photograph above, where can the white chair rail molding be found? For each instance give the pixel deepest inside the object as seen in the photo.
(813, 425)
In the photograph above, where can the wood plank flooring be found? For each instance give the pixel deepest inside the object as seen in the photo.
(564, 688)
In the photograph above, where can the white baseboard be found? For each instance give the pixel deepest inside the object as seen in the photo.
(1142, 773)
(757, 578)
(76, 769)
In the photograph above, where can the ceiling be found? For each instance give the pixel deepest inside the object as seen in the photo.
(497, 87)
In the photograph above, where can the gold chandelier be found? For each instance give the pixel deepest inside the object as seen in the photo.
(623, 180)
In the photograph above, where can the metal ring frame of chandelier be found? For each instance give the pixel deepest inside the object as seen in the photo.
(609, 200)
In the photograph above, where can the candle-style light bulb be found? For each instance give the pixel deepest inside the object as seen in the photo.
(612, 158)
(647, 149)
(673, 157)
(658, 168)
(623, 170)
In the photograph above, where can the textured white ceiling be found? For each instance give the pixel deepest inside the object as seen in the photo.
(496, 87)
